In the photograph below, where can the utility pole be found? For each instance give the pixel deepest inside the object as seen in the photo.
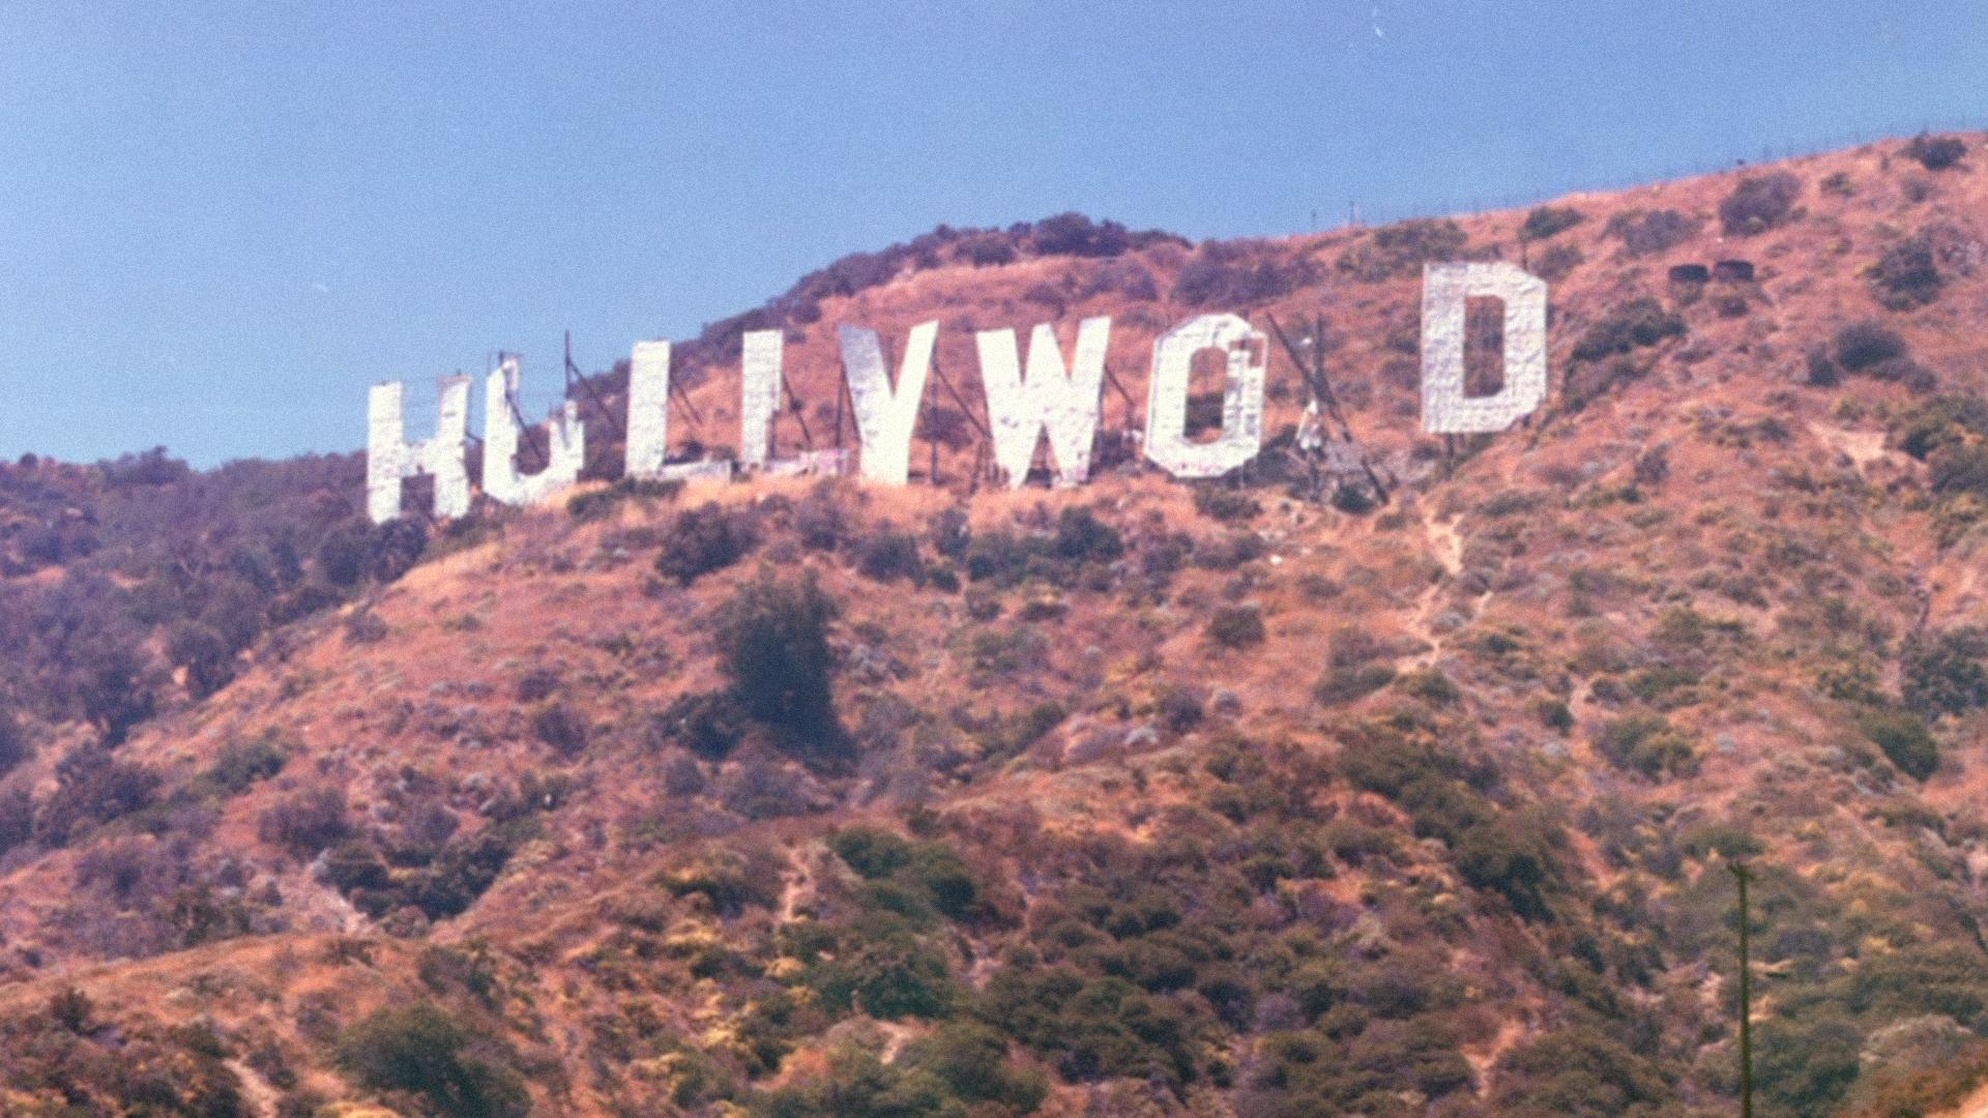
(1743, 876)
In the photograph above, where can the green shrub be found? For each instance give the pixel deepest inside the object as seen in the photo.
(1237, 626)
(708, 723)
(1935, 153)
(306, 822)
(1092, 1028)
(1341, 685)
(242, 763)
(887, 554)
(1730, 841)
(1646, 233)
(423, 1050)
(1638, 322)
(561, 727)
(1646, 744)
(1907, 275)
(1429, 685)
(708, 538)
(972, 1061)
(1398, 250)
(1939, 422)
(92, 788)
(1547, 221)
(956, 1071)
(933, 873)
(772, 639)
(1078, 553)
(1759, 203)
(1554, 714)
(1946, 672)
(1959, 468)
(1218, 502)
(871, 852)
(598, 504)
(1238, 274)
(1904, 738)
(885, 970)
(1577, 1071)
(1861, 346)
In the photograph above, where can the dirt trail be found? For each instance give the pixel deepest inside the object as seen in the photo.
(1861, 447)
(1483, 1059)
(256, 1091)
(1446, 545)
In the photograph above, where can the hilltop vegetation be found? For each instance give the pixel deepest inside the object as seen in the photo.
(1280, 795)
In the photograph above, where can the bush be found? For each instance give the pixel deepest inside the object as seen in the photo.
(972, 1060)
(1907, 275)
(13, 742)
(1558, 262)
(1079, 552)
(1935, 153)
(1959, 469)
(1430, 685)
(706, 539)
(1236, 626)
(1227, 505)
(1861, 346)
(1401, 249)
(1939, 423)
(307, 822)
(1759, 203)
(423, 1050)
(1647, 233)
(1646, 743)
(772, 639)
(708, 723)
(1074, 234)
(598, 504)
(871, 852)
(1639, 322)
(1947, 672)
(1819, 371)
(1548, 221)
(1904, 738)
(1578, 1072)
(1233, 274)
(822, 519)
(887, 554)
(561, 727)
(1093, 1028)
(889, 973)
(242, 763)
(1356, 666)
(204, 653)
(92, 788)
(17, 818)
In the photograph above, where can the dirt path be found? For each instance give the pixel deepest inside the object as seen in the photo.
(1861, 447)
(256, 1091)
(1446, 545)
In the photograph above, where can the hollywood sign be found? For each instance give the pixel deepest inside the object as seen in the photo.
(1046, 397)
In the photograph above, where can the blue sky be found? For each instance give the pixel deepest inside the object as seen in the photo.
(220, 222)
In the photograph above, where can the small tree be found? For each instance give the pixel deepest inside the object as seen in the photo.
(772, 639)
(421, 1049)
(1759, 203)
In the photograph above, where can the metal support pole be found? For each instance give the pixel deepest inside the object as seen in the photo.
(1746, 999)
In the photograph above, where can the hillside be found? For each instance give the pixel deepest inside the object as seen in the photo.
(796, 797)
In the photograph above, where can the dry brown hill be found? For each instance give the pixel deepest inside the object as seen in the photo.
(1144, 798)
